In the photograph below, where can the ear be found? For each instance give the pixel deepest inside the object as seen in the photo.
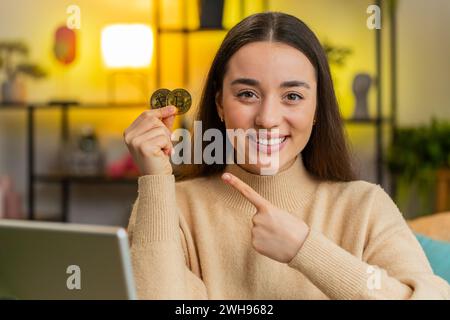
(218, 101)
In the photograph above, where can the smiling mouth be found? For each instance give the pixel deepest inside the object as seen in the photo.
(269, 142)
(268, 145)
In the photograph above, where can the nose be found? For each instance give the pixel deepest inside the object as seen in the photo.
(269, 114)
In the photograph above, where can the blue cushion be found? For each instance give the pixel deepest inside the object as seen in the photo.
(438, 254)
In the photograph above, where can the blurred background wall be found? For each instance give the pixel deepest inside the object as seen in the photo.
(423, 66)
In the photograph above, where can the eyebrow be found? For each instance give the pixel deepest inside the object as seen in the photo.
(285, 84)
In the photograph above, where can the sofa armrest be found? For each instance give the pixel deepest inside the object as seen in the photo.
(436, 226)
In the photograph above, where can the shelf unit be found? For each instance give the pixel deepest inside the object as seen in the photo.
(66, 180)
(63, 179)
(186, 32)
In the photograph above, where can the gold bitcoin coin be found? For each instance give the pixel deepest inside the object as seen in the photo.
(181, 99)
(159, 98)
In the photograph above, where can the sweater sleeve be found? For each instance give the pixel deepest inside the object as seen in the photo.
(158, 246)
(393, 265)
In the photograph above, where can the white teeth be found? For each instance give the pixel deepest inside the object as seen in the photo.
(271, 141)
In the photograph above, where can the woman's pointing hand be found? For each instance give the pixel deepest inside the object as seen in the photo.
(276, 233)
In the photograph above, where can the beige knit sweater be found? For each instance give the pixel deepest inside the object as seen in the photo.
(192, 240)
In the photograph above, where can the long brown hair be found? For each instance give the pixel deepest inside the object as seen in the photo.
(326, 154)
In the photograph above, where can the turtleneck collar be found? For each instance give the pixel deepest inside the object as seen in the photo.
(288, 189)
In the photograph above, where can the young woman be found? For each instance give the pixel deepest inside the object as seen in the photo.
(307, 231)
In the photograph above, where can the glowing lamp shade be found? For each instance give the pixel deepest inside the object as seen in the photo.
(127, 45)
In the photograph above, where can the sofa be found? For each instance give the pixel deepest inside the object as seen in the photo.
(433, 234)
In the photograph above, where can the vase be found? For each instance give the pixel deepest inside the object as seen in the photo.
(211, 14)
(13, 91)
(361, 86)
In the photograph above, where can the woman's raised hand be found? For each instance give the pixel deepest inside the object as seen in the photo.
(148, 139)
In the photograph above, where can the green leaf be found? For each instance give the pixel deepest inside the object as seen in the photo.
(336, 55)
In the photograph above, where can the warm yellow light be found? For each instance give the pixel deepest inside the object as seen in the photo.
(127, 45)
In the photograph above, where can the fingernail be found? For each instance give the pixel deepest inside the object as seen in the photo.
(226, 177)
(172, 151)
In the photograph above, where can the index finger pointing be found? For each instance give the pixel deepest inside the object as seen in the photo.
(254, 197)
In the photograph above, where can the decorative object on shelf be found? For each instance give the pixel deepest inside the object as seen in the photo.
(360, 87)
(13, 88)
(84, 156)
(211, 14)
(415, 158)
(10, 202)
(123, 168)
(127, 46)
(65, 46)
(127, 50)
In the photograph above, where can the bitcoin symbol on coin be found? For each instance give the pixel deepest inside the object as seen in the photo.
(180, 98)
(159, 98)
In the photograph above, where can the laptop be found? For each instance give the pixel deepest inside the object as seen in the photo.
(48, 260)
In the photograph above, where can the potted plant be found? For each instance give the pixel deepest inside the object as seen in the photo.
(337, 55)
(13, 89)
(416, 157)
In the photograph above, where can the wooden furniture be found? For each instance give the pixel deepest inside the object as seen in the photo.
(436, 226)
(443, 190)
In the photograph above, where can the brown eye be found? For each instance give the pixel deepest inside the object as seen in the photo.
(294, 97)
(246, 94)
